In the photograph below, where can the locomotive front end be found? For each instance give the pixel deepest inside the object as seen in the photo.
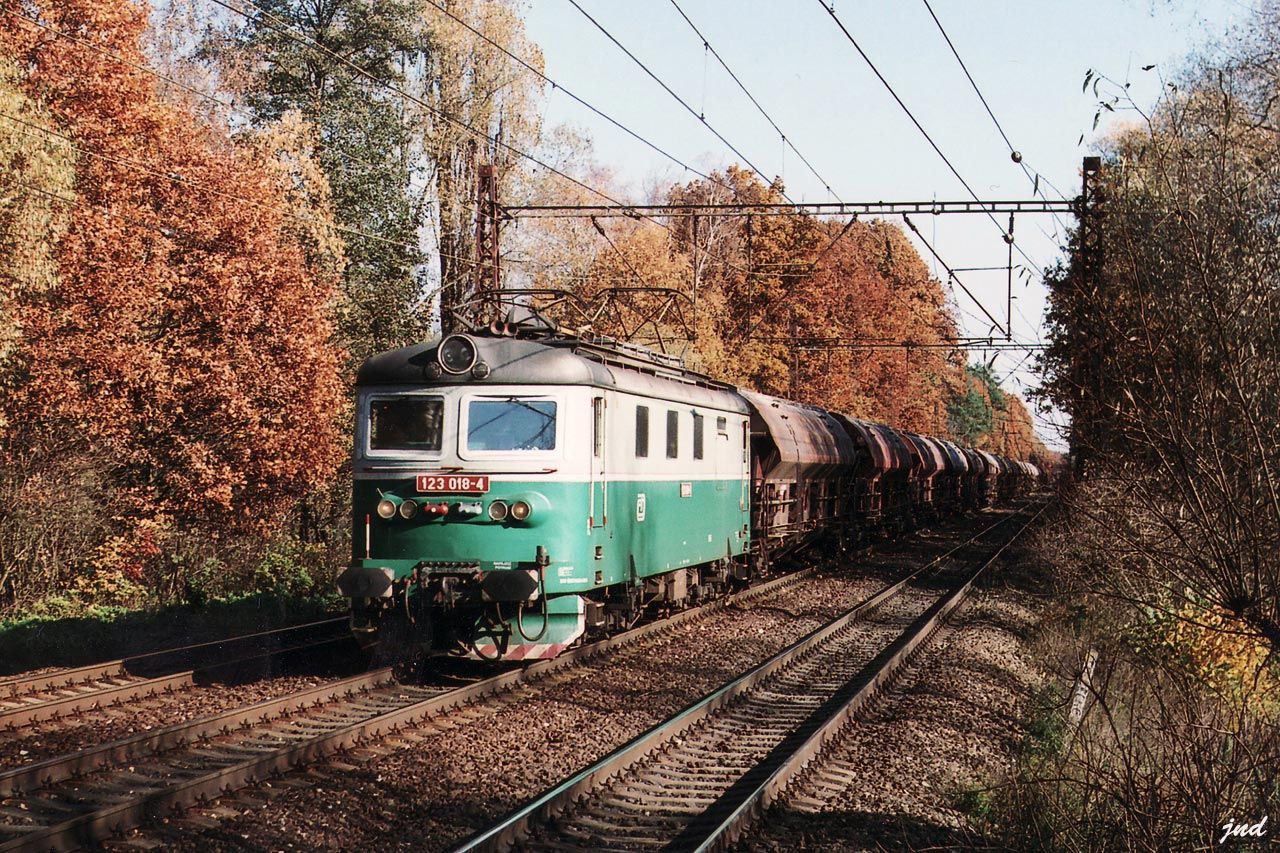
(471, 499)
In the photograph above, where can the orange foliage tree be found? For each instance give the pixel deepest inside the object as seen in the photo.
(791, 305)
(871, 287)
(187, 340)
(746, 265)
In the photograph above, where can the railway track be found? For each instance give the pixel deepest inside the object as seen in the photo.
(697, 780)
(81, 798)
(72, 692)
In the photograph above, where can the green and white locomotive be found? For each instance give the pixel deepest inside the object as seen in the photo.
(517, 490)
(512, 495)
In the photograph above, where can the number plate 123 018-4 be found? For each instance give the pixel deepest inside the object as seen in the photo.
(470, 483)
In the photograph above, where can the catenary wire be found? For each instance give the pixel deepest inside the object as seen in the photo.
(274, 23)
(699, 116)
(950, 272)
(848, 35)
(786, 139)
(348, 230)
(1034, 176)
(143, 168)
(249, 118)
(559, 87)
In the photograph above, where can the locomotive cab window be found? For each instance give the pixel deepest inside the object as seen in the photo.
(406, 423)
(511, 424)
(722, 426)
(673, 434)
(697, 435)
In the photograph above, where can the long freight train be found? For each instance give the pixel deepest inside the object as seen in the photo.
(514, 493)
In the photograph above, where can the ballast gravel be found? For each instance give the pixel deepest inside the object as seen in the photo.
(439, 783)
(904, 777)
(45, 740)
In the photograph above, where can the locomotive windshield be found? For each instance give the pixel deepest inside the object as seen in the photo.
(511, 424)
(406, 423)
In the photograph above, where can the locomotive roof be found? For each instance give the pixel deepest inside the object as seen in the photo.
(558, 361)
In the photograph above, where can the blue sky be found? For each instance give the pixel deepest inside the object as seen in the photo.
(1029, 58)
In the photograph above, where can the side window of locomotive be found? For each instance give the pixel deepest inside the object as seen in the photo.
(697, 435)
(511, 424)
(722, 426)
(406, 423)
(673, 434)
(642, 432)
(597, 427)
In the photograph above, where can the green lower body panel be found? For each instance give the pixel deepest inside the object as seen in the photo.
(579, 539)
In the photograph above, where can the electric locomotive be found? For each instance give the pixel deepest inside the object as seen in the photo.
(514, 493)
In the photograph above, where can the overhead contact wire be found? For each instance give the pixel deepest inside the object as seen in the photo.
(273, 22)
(559, 87)
(1032, 175)
(785, 139)
(681, 101)
(934, 145)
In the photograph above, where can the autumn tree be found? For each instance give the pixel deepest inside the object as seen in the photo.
(468, 94)
(184, 339)
(841, 314)
(1164, 350)
(872, 295)
(638, 289)
(743, 267)
(1165, 345)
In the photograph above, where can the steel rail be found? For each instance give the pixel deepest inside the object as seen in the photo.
(115, 694)
(510, 830)
(68, 678)
(62, 679)
(66, 706)
(886, 666)
(123, 814)
(21, 780)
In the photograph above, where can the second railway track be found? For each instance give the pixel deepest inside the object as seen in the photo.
(81, 798)
(695, 781)
(67, 693)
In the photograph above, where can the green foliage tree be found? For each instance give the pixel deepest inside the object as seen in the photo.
(969, 416)
(984, 374)
(37, 175)
(363, 142)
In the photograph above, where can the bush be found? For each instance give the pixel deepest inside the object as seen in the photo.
(1183, 733)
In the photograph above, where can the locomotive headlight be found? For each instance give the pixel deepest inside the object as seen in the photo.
(498, 510)
(408, 509)
(521, 510)
(456, 354)
(387, 508)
